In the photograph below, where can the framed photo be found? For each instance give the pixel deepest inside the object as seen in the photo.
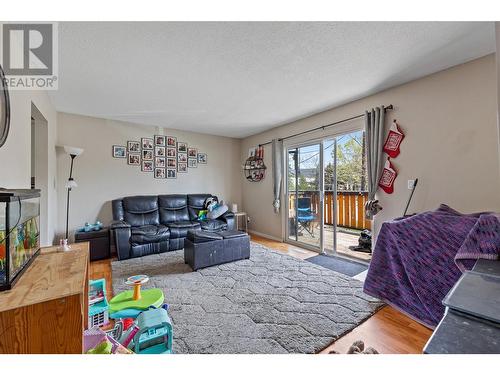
(171, 173)
(171, 163)
(183, 158)
(171, 152)
(147, 143)
(182, 147)
(192, 163)
(133, 146)
(159, 172)
(119, 151)
(147, 154)
(159, 140)
(134, 159)
(159, 162)
(147, 166)
(159, 151)
(192, 153)
(202, 158)
(182, 167)
(171, 141)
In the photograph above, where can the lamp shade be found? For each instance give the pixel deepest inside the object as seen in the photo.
(73, 150)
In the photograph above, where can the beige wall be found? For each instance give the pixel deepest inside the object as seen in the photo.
(15, 154)
(102, 178)
(451, 145)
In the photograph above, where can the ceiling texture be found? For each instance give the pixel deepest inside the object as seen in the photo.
(240, 78)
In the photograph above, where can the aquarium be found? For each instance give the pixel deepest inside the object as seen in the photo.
(19, 233)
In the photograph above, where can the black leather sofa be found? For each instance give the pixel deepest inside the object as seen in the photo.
(144, 225)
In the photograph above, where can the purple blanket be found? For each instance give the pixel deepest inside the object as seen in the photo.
(418, 259)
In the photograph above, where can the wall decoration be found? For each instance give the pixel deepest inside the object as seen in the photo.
(171, 152)
(182, 147)
(134, 159)
(147, 154)
(147, 166)
(159, 162)
(159, 140)
(202, 158)
(171, 173)
(162, 155)
(182, 167)
(119, 151)
(159, 172)
(159, 151)
(192, 153)
(133, 146)
(147, 143)
(171, 141)
(171, 163)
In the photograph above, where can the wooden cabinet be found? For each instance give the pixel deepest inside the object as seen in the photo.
(47, 310)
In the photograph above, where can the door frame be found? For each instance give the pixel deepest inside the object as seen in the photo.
(308, 140)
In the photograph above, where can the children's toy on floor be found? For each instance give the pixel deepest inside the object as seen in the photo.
(130, 303)
(98, 304)
(150, 333)
(95, 341)
(155, 333)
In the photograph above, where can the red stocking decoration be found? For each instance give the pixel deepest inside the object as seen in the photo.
(394, 138)
(388, 176)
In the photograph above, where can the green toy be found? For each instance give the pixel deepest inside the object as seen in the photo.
(135, 300)
(104, 347)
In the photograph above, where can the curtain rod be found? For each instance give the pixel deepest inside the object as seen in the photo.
(389, 107)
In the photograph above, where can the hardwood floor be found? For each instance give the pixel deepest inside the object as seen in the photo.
(388, 330)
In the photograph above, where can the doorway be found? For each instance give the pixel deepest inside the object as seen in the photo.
(326, 193)
(39, 167)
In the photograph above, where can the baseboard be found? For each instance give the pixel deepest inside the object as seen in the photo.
(265, 235)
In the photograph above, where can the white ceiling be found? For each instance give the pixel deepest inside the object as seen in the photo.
(237, 79)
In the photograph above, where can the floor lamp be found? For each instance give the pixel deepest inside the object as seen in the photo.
(73, 152)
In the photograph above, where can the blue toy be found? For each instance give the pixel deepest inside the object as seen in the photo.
(91, 227)
(98, 304)
(155, 333)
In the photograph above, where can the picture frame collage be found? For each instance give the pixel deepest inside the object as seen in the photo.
(162, 155)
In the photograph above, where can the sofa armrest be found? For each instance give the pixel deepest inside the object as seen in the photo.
(120, 230)
(115, 224)
(228, 217)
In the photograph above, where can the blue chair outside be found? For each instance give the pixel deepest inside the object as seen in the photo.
(305, 215)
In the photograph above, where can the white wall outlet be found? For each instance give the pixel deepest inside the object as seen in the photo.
(410, 184)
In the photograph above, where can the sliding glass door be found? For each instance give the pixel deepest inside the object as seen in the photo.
(326, 193)
(304, 198)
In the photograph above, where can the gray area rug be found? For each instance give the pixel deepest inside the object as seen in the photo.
(270, 303)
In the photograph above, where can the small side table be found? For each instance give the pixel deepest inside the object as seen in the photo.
(241, 221)
(99, 243)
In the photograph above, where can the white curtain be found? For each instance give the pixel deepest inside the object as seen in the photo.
(277, 173)
(374, 132)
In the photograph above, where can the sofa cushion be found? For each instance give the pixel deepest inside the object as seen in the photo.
(145, 234)
(173, 208)
(195, 204)
(179, 229)
(213, 225)
(141, 210)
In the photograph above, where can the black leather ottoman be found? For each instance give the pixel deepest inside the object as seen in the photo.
(205, 249)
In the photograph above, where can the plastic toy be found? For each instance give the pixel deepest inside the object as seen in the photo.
(98, 304)
(130, 303)
(155, 333)
(91, 227)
